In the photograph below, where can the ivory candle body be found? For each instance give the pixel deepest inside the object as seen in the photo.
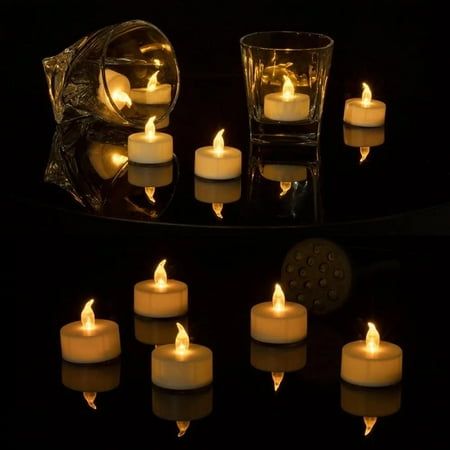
(152, 175)
(143, 149)
(292, 109)
(284, 172)
(358, 114)
(382, 367)
(116, 83)
(79, 345)
(217, 191)
(152, 300)
(191, 369)
(161, 94)
(213, 166)
(278, 327)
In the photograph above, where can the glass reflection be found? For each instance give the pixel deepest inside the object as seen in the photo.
(90, 379)
(318, 274)
(182, 407)
(277, 359)
(157, 331)
(370, 403)
(363, 138)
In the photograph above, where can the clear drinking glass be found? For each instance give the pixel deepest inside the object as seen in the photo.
(286, 74)
(122, 74)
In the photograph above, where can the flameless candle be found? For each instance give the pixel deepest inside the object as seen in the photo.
(285, 174)
(154, 93)
(183, 365)
(150, 147)
(90, 340)
(182, 407)
(152, 175)
(370, 403)
(371, 362)
(106, 159)
(278, 322)
(364, 112)
(286, 106)
(118, 87)
(160, 297)
(364, 138)
(218, 162)
(157, 331)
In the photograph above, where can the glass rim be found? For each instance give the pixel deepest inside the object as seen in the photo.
(286, 32)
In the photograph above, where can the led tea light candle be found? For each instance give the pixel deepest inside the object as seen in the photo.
(217, 193)
(278, 322)
(370, 403)
(90, 379)
(277, 359)
(150, 147)
(119, 90)
(218, 162)
(154, 94)
(364, 138)
(182, 408)
(90, 340)
(286, 106)
(183, 365)
(157, 331)
(364, 112)
(285, 174)
(160, 297)
(106, 159)
(371, 362)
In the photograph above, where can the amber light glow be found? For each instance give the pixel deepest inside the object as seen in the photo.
(182, 340)
(150, 129)
(370, 423)
(90, 399)
(366, 95)
(277, 378)
(372, 338)
(364, 152)
(288, 91)
(118, 160)
(217, 208)
(160, 274)
(278, 299)
(121, 97)
(88, 316)
(153, 82)
(182, 425)
(285, 187)
(150, 193)
(218, 143)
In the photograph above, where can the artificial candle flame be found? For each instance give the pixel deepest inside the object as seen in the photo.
(218, 143)
(278, 300)
(217, 208)
(90, 399)
(122, 97)
(277, 378)
(288, 89)
(160, 275)
(182, 339)
(366, 95)
(182, 425)
(364, 152)
(372, 338)
(153, 82)
(150, 192)
(150, 128)
(285, 187)
(88, 316)
(370, 423)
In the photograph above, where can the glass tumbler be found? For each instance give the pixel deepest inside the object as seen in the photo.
(286, 75)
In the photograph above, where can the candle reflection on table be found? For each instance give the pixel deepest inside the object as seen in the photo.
(106, 159)
(90, 379)
(182, 407)
(363, 138)
(157, 331)
(277, 359)
(369, 403)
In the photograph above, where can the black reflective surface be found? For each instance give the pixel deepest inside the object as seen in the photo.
(385, 220)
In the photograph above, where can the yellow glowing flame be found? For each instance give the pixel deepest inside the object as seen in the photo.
(157, 62)
(366, 95)
(150, 192)
(160, 275)
(153, 82)
(217, 208)
(372, 338)
(278, 300)
(288, 89)
(118, 160)
(182, 340)
(121, 97)
(364, 152)
(285, 187)
(90, 399)
(88, 316)
(182, 425)
(370, 423)
(218, 143)
(150, 128)
(277, 378)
